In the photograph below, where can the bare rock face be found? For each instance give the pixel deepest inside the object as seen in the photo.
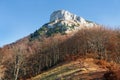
(67, 16)
(64, 22)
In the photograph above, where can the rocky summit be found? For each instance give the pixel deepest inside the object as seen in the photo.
(65, 15)
(63, 22)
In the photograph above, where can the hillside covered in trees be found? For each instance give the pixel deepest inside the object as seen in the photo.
(66, 41)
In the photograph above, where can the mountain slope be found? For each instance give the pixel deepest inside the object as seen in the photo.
(80, 69)
(65, 38)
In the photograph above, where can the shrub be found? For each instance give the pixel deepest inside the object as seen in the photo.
(112, 75)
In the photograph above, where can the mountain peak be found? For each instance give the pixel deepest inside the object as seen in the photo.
(65, 15)
(63, 22)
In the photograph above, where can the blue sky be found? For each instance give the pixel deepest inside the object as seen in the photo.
(19, 18)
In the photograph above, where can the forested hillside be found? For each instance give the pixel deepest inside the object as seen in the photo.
(65, 38)
(98, 43)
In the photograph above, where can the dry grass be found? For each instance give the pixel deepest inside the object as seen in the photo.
(104, 64)
(81, 68)
(57, 72)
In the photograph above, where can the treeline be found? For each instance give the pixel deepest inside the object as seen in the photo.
(97, 42)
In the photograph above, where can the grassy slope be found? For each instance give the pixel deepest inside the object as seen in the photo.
(75, 70)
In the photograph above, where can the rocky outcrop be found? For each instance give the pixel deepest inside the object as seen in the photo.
(62, 21)
(73, 23)
(65, 15)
